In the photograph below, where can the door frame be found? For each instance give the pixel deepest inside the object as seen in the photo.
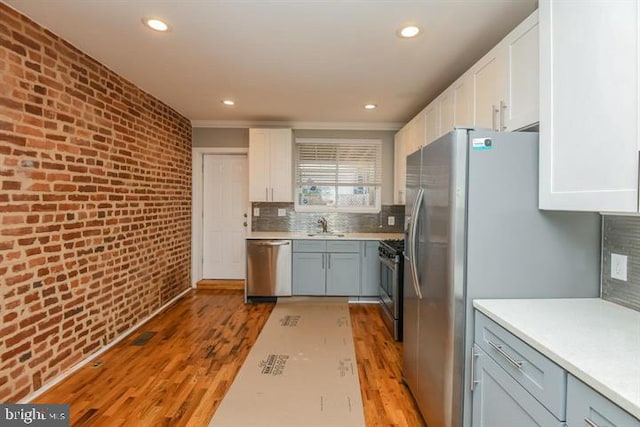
(197, 186)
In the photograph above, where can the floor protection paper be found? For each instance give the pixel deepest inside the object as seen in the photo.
(301, 371)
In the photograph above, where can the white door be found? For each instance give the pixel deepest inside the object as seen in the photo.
(225, 200)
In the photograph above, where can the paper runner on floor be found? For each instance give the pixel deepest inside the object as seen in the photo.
(301, 371)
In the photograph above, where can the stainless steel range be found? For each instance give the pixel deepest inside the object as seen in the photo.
(391, 273)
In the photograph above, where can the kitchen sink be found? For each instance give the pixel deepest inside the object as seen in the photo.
(325, 235)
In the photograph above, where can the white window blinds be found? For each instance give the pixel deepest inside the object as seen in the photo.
(338, 162)
(338, 174)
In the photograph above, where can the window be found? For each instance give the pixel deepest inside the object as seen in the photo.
(338, 175)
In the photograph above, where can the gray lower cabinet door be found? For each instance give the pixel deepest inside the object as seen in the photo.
(588, 408)
(499, 401)
(370, 269)
(308, 275)
(343, 274)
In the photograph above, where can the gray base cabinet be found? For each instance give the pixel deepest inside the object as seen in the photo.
(326, 267)
(500, 401)
(370, 269)
(343, 274)
(308, 274)
(515, 385)
(586, 407)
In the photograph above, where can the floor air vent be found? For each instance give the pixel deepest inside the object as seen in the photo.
(143, 338)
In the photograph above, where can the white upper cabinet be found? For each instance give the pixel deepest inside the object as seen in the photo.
(417, 133)
(447, 111)
(432, 122)
(462, 102)
(489, 89)
(522, 107)
(589, 105)
(499, 92)
(400, 167)
(505, 81)
(270, 165)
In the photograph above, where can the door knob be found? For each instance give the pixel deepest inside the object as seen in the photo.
(244, 223)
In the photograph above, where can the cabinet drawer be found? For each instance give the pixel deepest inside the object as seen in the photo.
(498, 400)
(586, 405)
(343, 246)
(545, 380)
(309, 246)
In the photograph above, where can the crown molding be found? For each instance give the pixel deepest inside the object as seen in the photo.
(298, 125)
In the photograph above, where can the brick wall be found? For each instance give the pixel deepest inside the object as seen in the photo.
(95, 205)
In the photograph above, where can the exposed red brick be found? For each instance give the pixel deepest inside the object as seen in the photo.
(93, 170)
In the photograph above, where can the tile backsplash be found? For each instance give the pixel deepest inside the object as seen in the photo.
(621, 235)
(268, 220)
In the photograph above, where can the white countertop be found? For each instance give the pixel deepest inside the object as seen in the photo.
(596, 341)
(302, 235)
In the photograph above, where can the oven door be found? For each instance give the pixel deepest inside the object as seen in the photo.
(389, 286)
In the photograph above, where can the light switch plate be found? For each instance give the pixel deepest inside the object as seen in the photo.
(256, 211)
(282, 212)
(619, 267)
(391, 220)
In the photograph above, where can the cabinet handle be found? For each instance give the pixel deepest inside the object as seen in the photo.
(272, 194)
(503, 108)
(590, 422)
(473, 367)
(493, 117)
(498, 348)
(266, 194)
(323, 261)
(270, 243)
(329, 262)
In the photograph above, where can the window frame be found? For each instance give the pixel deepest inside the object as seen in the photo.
(376, 208)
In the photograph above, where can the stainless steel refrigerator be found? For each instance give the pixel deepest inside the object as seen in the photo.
(474, 231)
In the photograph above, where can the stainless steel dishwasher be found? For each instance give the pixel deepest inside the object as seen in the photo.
(268, 269)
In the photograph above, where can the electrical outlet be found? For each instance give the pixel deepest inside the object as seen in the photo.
(391, 220)
(282, 212)
(619, 267)
(256, 211)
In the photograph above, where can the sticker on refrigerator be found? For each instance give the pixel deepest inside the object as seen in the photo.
(481, 143)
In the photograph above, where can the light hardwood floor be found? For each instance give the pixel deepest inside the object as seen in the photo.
(180, 375)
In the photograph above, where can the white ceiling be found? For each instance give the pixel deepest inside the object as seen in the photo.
(287, 61)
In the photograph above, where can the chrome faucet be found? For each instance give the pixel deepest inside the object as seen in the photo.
(323, 223)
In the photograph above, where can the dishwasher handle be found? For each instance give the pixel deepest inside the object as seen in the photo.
(270, 243)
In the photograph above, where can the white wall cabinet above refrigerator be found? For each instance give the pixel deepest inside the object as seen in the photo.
(505, 81)
(589, 105)
(499, 92)
(270, 165)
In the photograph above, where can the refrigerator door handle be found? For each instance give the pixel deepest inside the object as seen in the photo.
(412, 244)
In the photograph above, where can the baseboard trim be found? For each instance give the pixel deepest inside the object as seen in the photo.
(227, 285)
(50, 384)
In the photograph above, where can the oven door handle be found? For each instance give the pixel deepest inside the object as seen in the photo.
(412, 242)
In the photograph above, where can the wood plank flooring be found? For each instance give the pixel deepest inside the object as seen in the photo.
(180, 375)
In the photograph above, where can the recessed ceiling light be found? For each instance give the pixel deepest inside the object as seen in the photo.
(156, 24)
(409, 31)
(228, 102)
(370, 106)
